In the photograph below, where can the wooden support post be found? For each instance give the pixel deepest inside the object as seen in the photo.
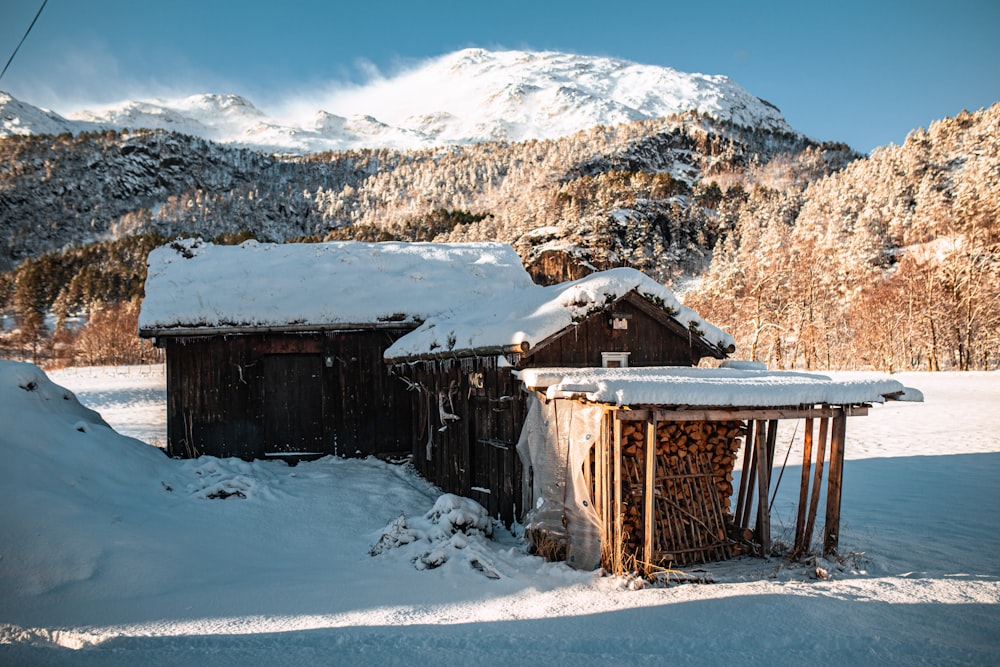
(772, 439)
(619, 547)
(598, 473)
(738, 507)
(800, 517)
(649, 527)
(834, 481)
(601, 482)
(763, 486)
(817, 483)
(745, 500)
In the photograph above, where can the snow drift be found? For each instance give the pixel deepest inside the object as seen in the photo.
(113, 554)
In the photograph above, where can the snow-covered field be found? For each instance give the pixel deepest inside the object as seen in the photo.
(112, 554)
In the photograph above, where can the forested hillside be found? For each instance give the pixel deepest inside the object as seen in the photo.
(810, 254)
(891, 263)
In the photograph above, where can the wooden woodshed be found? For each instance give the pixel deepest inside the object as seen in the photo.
(276, 350)
(642, 477)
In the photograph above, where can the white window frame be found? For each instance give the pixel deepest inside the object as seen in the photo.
(620, 357)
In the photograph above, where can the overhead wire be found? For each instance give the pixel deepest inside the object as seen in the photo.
(16, 48)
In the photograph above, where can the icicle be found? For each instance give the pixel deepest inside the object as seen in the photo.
(430, 431)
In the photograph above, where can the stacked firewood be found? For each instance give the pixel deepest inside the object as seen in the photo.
(693, 489)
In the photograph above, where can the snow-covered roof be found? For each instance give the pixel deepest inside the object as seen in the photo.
(512, 318)
(706, 387)
(468, 296)
(192, 284)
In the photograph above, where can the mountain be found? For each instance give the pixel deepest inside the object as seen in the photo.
(627, 194)
(892, 262)
(19, 118)
(808, 253)
(461, 98)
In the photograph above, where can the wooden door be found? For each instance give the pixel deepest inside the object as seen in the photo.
(495, 479)
(293, 404)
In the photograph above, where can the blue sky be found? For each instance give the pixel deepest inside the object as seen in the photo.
(863, 72)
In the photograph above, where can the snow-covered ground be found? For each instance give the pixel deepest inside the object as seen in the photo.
(132, 399)
(112, 554)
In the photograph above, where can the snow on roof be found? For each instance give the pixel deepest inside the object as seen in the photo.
(513, 318)
(193, 284)
(469, 296)
(705, 387)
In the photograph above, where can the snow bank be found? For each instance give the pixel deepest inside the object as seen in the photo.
(454, 530)
(61, 465)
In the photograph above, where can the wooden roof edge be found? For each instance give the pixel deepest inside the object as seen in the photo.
(460, 353)
(183, 331)
(738, 413)
(664, 315)
(656, 312)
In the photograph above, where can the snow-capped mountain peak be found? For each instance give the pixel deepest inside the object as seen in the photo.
(463, 97)
(17, 117)
(217, 117)
(550, 94)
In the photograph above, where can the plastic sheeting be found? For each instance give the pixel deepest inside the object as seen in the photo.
(554, 446)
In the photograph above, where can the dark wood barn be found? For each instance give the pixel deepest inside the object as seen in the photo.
(277, 350)
(284, 394)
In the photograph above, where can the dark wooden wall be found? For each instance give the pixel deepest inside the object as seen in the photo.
(254, 396)
(475, 455)
(652, 339)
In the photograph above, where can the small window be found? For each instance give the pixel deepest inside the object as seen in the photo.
(614, 359)
(619, 321)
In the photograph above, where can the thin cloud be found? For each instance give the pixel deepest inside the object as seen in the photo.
(89, 76)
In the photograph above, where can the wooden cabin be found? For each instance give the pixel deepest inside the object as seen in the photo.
(463, 370)
(275, 351)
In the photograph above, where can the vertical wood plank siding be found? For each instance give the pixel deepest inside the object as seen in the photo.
(231, 396)
(475, 454)
(650, 341)
(272, 394)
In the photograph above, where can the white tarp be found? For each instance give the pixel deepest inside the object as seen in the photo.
(554, 446)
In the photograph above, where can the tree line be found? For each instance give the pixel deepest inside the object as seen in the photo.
(811, 255)
(892, 263)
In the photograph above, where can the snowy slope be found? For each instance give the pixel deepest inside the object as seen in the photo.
(464, 97)
(112, 554)
(16, 117)
(215, 117)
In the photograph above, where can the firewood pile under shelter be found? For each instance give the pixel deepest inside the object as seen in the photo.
(641, 476)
